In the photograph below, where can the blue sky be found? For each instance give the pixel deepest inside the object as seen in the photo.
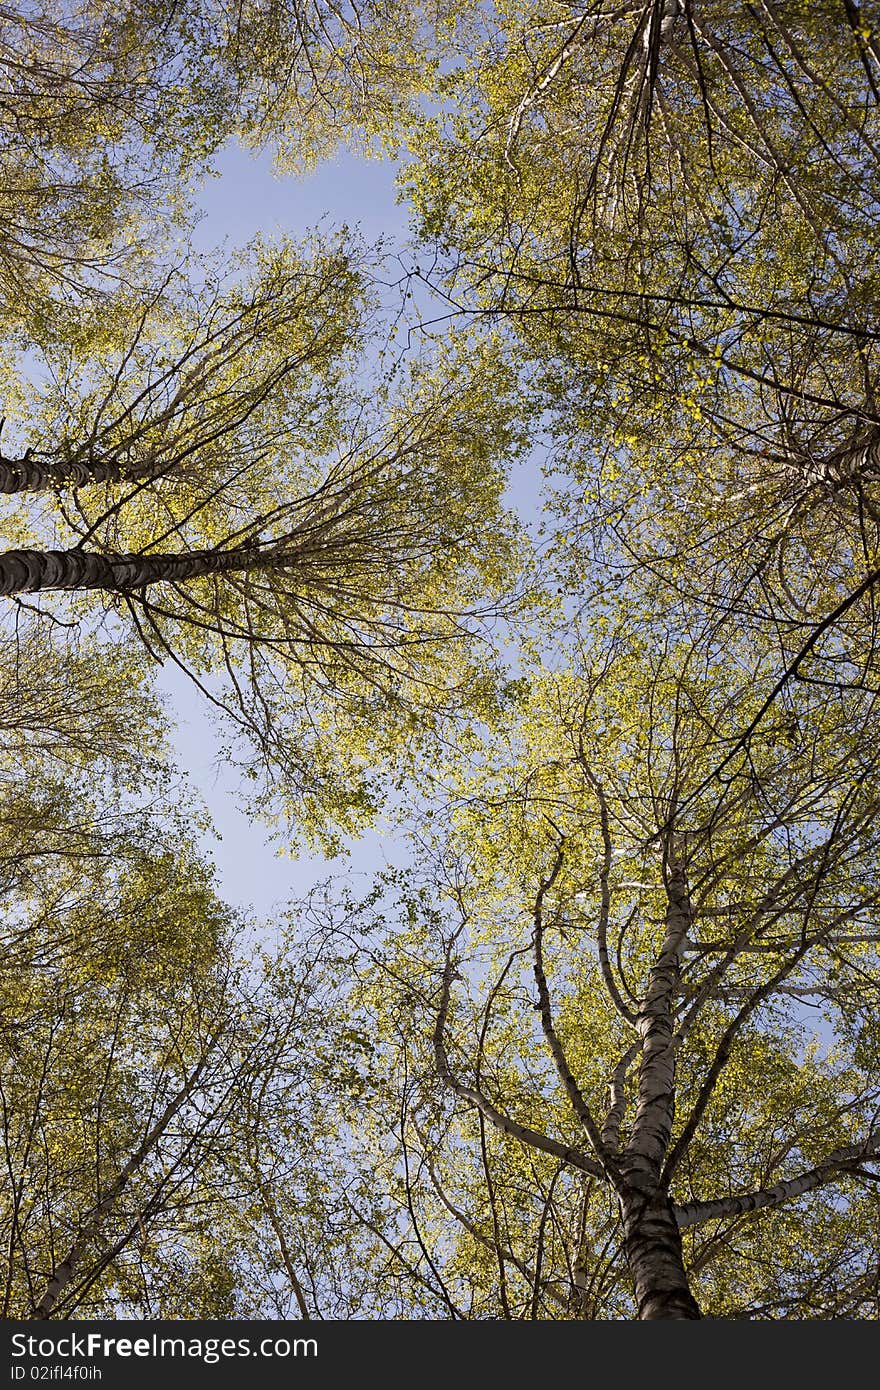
(248, 197)
(245, 199)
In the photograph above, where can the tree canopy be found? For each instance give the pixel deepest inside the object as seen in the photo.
(603, 1044)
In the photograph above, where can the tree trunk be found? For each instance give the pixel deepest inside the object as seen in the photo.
(856, 462)
(652, 1243)
(655, 1108)
(26, 571)
(90, 1226)
(41, 475)
(652, 1240)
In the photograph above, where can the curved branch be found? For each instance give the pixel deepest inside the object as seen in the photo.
(572, 1090)
(530, 1137)
(605, 900)
(788, 674)
(722, 1056)
(617, 1089)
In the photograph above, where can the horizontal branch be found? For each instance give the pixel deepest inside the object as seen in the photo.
(841, 1161)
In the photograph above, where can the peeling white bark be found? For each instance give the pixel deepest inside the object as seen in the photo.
(29, 474)
(652, 1242)
(694, 1213)
(858, 461)
(30, 571)
(655, 1107)
(652, 1238)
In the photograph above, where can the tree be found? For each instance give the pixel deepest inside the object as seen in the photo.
(309, 77)
(579, 1079)
(602, 1055)
(140, 1049)
(316, 552)
(160, 1062)
(148, 1033)
(207, 462)
(106, 111)
(310, 548)
(671, 207)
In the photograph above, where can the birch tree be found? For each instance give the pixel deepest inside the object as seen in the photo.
(148, 1033)
(613, 1093)
(583, 1073)
(318, 552)
(107, 112)
(671, 207)
(133, 1036)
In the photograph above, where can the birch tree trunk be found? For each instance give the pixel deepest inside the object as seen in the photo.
(26, 571)
(652, 1239)
(857, 462)
(652, 1244)
(41, 475)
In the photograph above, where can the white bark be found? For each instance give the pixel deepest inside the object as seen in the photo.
(842, 1160)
